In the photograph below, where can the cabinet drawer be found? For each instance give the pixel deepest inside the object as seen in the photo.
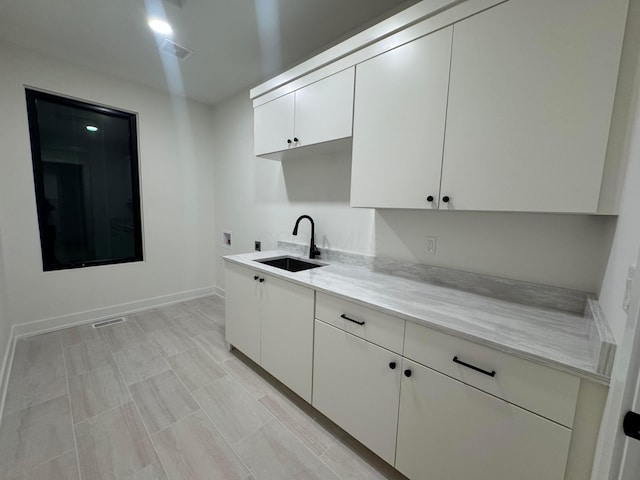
(379, 328)
(543, 390)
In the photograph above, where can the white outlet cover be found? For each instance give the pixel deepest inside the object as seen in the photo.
(627, 293)
(226, 240)
(430, 245)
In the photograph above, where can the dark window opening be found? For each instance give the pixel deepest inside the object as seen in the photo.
(85, 165)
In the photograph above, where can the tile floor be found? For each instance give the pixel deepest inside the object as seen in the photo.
(160, 397)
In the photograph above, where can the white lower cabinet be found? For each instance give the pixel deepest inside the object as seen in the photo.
(429, 425)
(271, 321)
(356, 384)
(287, 333)
(448, 430)
(242, 305)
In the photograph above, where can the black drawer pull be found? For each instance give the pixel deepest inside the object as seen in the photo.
(492, 373)
(351, 319)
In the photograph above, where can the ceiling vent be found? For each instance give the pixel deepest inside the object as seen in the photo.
(173, 49)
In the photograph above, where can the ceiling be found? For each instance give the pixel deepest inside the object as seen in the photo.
(237, 43)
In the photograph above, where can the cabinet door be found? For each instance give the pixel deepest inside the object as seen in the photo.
(398, 127)
(324, 110)
(287, 333)
(273, 125)
(530, 102)
(448, 431)
(242, 318)
(354, 386)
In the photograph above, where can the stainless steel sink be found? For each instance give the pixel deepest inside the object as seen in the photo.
(291, 264)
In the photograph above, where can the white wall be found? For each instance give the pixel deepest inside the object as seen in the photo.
(624, 145)
(260, 199)
(176, 184)
(626, 242)
(5, 324)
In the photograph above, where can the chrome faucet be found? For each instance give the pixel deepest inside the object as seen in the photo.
(313, 250)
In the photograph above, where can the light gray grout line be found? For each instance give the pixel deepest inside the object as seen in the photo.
(31, 469)
(104, 412)
(335, 437)
(135, 405)
(281, 423)
(251, 472)
(174, 423)
(246, 391)
(201, 409)
(73, 425)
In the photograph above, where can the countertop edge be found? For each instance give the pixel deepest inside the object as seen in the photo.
(278, 273)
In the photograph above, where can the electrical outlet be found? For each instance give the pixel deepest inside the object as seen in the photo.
(430, 245)
(627, 293)
(258, 245)
(226, 240)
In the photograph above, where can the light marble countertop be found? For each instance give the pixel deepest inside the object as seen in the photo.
(551, 337)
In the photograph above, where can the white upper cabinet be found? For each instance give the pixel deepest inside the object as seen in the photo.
(530, 103)
(324, 110)
(273, 125)
(399, 121)
(318, 113)
(480, 105)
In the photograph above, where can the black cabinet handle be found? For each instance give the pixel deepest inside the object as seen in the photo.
(261, 280)
(631, 425)
(392, 365)
(255, 277)
(491, 373)
(295, 139)
(407, 373)
(430, 198)
(289, 141)
(351, 319)
(445, 199)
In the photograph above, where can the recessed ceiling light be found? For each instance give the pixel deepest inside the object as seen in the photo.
(160, 26)
(92, 128)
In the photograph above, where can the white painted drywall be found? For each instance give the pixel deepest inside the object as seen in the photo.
(260, 199)
(624, 145)
(560, 250)
(5, 324)
(176, 184)
(626, 242)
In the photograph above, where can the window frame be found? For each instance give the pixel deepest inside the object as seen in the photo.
(32, 95)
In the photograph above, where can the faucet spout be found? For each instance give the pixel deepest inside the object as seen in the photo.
(313, 250)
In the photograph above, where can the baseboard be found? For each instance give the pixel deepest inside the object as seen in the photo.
(90, 316)
(219, 291)
(7, 362)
